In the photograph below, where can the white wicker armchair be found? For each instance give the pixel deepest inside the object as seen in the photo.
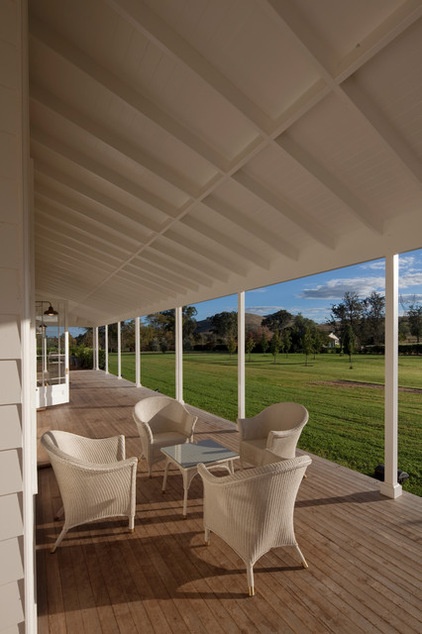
(252, 510)
(95, 479)
(161, 422)
(277, 428)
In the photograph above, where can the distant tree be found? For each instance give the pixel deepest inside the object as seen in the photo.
(161, 321)
(414, 317)
(224, 325)
(307, 343)
(148, 335)
(286, 341)
(277, 321)
(349, 343)
(163, 325)
(347, 313)
(373, 319)
(155, 344)
(164, 346)
(231, 343)
(85, 338)
(317, 340)
(250, 344)
(403, 329)
(128, 335)
(275, 345)
(297, 331)
(189, 323)
(264, 342)
(211, 341)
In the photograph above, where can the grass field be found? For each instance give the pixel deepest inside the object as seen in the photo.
(346, 406)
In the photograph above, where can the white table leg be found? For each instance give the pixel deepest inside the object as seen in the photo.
(188, 476)
(166, 468)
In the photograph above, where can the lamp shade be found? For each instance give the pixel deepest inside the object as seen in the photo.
(50, 312)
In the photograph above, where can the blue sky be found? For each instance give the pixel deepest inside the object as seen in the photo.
(313, 296)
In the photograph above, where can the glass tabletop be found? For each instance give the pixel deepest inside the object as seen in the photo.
(190, 454)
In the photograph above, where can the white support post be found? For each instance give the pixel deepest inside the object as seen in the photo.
(241, 354)
(138, 352)
(178, 336)
(66, 361)
(96, 349)
(106, 348)
(390, 486)
(119, 350)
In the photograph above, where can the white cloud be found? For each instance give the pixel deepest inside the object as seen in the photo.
(264, 310)
(411, 279)
(378, 265)
(336, 288)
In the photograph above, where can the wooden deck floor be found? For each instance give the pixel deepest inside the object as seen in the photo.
(364, 551)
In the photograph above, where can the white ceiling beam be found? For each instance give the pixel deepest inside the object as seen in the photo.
(92, 221)
(78, 281)
(256, 229)
(111, 286)
(317, 232)
(320, 55)
(148, 284)
(332, 69)
(404, 16)
(386, 131)
(177, 282)
(306, 37)
(149, 24)
(154, 282)
(168, 249)
(99, 132)
(359, 210)
(91, 166)
(69, 257)
(80, 189)
(68, 222)
(229, 264)
(206, 260)
(48, 244)
(227, 241)
(143, 286)
(163, 281)
(69, 235)
(141, 104)
(175, 265)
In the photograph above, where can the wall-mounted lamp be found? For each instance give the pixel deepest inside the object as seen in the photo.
(50, 312)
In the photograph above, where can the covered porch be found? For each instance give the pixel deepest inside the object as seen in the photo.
(363, 549)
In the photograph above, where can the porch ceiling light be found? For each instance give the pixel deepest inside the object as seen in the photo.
(50, 312)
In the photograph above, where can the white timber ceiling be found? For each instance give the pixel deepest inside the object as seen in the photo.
(189, 149)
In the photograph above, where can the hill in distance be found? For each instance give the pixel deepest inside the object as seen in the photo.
(252, 324)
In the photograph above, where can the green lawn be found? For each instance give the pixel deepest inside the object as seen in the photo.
(346, 406)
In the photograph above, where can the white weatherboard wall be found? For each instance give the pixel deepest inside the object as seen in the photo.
(17, 608)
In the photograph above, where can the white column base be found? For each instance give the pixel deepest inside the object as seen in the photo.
(391, 490)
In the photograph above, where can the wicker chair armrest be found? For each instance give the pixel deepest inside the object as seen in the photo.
(244, 475)
(283, 443)
(273, 434)
(188, 425)
(144, 429)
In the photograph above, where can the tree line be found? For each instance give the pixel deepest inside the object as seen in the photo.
(357, 323)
